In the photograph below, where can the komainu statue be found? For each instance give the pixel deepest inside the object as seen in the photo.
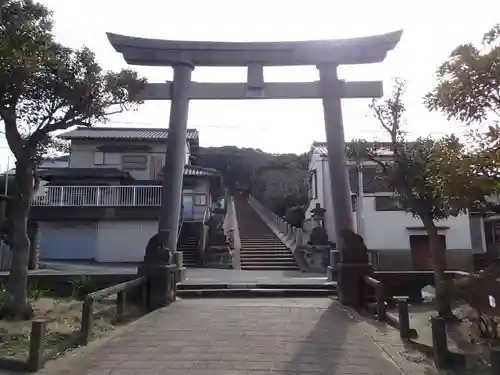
(155, 252)
(354, 250)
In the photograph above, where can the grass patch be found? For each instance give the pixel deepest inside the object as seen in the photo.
(63, 317)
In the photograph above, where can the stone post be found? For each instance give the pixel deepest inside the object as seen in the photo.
(173, 171)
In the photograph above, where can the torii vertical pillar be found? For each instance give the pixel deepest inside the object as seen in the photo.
(350, 274)
(175, 156)
(331, 89)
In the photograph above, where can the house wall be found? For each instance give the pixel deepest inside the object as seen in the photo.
(123, 241)
(324, 196)
(477, 232)
(83, 156)
(107, 241)
(202, 186)
(387, 231)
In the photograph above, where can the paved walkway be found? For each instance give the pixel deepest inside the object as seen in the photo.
(236, 336)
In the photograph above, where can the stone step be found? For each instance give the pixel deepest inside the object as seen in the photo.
(263, 246)
(260, 239)
(268, 258)
(268, 267)
(255, 292)
(263, 243)
(267, 262)
(265, 251)
(270, 252)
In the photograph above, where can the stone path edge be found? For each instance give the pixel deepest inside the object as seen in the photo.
(390, 347)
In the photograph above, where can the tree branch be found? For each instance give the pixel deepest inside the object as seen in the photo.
(12, 134)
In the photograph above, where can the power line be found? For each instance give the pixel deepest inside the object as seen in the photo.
(271, 127)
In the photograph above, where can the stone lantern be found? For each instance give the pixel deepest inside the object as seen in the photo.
(319, 243)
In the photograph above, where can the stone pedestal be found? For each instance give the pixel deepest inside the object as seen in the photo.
(161, 284)
(350, 283)
(317, 257)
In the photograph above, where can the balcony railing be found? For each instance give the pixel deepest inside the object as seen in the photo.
(110, 196)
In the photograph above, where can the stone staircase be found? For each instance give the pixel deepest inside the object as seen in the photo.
(188, 245)
(260, 248)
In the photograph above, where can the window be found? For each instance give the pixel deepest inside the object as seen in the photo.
(106, 158)
(313, 185)
(134, 162)
(200, 200)
(98, 158)
(112, 158)
(387, 204)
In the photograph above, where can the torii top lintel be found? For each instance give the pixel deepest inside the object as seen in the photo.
(158, 52)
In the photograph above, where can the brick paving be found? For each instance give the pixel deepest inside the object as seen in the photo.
(236, 336)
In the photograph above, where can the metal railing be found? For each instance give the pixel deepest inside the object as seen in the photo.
(107, 196)
(201, 245)
(295, 237)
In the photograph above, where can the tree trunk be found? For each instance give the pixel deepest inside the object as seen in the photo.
(17, 306)
(438, 253)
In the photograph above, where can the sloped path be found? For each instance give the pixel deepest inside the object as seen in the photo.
(236, 336)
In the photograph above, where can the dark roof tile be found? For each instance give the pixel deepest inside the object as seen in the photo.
(124, 133)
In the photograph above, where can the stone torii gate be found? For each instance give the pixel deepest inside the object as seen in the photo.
(326, 55)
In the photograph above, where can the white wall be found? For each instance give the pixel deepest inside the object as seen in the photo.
(320, 164)
(387, 230)
(383, 230)
(123, 241)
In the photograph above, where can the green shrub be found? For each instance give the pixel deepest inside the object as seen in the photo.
(82, 285)
(34, 293)
(481, 291)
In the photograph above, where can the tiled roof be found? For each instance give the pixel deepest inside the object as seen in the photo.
(123, 133)
(189, 170)
(320, 148)
(192, 170)
(195, 171)
(371, 179)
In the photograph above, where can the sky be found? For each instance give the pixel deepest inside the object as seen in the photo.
(431, 30)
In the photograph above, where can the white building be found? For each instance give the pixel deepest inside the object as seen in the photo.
(397, 237)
